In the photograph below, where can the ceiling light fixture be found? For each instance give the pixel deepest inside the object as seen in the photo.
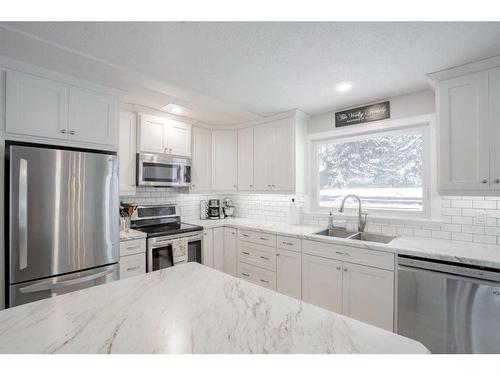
(344, 86)
(174, 109)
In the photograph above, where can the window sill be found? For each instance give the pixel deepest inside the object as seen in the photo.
(376, 218)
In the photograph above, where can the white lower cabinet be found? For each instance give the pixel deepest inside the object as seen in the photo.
(230, 251)
(132, 258)
(368, 294)
(360, 292)
(207, 253)
(218, 248)
(288, 273)
(257, 275)
(322, 282)
(132, 265)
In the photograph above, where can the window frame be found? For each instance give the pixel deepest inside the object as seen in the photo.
(425, 124)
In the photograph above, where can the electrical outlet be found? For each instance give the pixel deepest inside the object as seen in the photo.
(480, 217)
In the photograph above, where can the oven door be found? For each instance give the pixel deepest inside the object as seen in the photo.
(163, 170)
(160, 253)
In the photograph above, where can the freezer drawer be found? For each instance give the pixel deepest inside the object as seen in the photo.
(35, 290)
(447, 311)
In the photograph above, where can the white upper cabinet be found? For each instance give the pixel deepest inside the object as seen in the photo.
(245, 159)
(164, 136)
(47, 109)
(463, 133)
(468, 109)
(152, 134)
(126, 153)
(201, 175)
(92, 117)
(36, 106)
(224, 160)
(279, 155)
(178, 137)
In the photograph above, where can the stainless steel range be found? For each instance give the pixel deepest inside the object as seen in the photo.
(162, 226)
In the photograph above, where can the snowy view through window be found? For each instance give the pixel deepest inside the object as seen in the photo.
(384, 171)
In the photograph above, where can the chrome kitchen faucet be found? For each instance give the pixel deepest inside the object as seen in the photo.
(361, 217)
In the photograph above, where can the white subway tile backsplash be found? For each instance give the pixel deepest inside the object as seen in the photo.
(458, 221)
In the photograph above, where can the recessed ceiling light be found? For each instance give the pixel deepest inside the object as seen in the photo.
(174, 109)
(344, 86)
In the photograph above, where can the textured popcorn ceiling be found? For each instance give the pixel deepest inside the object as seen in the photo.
(264, 68)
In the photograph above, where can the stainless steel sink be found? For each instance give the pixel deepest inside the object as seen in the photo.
(372, 237)
(337, 232)
(360, 236)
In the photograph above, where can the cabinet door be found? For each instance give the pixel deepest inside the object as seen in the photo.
(263, 157)
(288, 270)
(463, 133)
(245, 159)
(230, 251)
(178, 137)
(283, 155)
(218, 249)
(93, 117)
(151, 134)
(494, 104)
(126, 153)
(368, 295)
(132, 265)
(207, 255)
(224, 160)
(202, 160)
(36, 106)
(322, 282)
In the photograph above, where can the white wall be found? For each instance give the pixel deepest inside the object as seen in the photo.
(408, 105)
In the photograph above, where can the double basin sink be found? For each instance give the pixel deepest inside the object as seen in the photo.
(360, 236)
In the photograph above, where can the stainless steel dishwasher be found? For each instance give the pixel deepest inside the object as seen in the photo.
(448, 307)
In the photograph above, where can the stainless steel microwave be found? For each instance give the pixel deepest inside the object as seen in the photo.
(163, 170)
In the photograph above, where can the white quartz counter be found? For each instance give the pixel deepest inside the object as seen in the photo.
(452, 251)
(131, 234)
(188, 308)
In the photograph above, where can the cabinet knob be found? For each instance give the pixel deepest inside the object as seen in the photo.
(496, 180)
(273, 185)
(165, 150)
(484, 181)
(193, 185)
(268, 185)
(72, 132)
(235, 186)
(338, 268)
(170, 150)
(63, 131)
(250, 186)
(345, 269)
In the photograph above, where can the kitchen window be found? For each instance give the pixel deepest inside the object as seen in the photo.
(388, 170)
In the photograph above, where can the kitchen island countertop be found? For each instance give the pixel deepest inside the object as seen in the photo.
(189, 308)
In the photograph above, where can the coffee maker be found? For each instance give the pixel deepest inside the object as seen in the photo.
(215, 210)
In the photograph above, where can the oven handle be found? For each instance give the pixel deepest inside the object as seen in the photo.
(169, 241)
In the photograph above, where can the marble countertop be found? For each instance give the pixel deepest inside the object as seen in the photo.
(131, 235)
(447, 250)
(188, 308)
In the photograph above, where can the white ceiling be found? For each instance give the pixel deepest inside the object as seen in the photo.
(235, 72)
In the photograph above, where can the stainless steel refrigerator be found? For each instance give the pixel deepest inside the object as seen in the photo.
(62, 225)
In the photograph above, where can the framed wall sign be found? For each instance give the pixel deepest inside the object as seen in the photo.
(368, 113)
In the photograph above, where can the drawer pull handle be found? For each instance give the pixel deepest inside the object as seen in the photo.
(341, 253)
(133, 268)
(264, 239)
(244, 252)
(133, 247)
(266, 258)
(245, 235)
(245, 274)
(264, 281)
(287, 243)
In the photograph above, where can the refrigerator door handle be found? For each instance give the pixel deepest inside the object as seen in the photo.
(57, 285)
(23, 214)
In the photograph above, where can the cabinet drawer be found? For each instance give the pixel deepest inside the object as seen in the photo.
(257, 275)
(289, 243)
(372, 258)
(132, 247)
(132, 265)
(258, 255)
(258, 237)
